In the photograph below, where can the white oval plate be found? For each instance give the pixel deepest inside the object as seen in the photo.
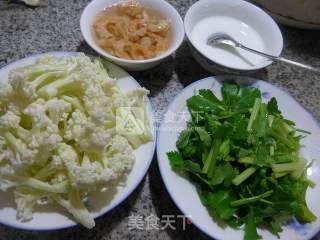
(184, 193)
(54, 217)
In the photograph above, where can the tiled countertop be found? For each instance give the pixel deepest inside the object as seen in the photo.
(54, 26)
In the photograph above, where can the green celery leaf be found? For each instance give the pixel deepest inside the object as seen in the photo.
(200, 105)
(189, 151)
(248, 97)
(223, 173)
(262, 155)
(261, 122)
(224, 130)
(176, 160)
(183, 139)
(202, 195)
(239, 124)
(219, 204)
(230, 93)
(235, 222)
(192, 166)
(204, 136)
(224, 149)
(275, 227)
(183, 166)
(208, 94)
(212, 124)
(273, 106)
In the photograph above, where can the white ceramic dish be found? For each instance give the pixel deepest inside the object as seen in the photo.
(248, 24)
(169, 12)
(184, 193)
(53, 217)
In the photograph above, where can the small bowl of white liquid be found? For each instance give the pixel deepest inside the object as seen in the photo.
(244, 22)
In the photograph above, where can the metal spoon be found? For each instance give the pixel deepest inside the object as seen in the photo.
(223, 38)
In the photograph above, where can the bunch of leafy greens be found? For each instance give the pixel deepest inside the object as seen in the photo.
(243, 157)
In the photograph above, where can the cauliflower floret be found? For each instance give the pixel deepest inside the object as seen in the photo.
(102, 115)
(109, 87)
(76, 126)
(56, 162)
(45, 143)
(91, 174)
(59, 178)
(95, 98)
(18, 82)
(44, 135)
(119, 156)
(81, 176)
(50, 140)
(45, 132)
(58, 110)
(46, 140)
(89, 136)
(23, 156)
(9, 120)
(37, 112)
(26, 199)
(95, 138)
(25, 205)
(68, 155)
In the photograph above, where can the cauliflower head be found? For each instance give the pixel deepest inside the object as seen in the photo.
(64, 132)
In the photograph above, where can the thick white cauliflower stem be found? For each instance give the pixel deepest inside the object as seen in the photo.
(64, 132)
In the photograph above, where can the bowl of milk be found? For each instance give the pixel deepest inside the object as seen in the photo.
(244, 22)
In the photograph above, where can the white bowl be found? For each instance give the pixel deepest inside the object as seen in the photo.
(251, 19)
(165, 9)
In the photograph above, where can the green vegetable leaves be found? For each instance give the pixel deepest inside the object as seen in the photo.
(243, 157)
(273, 106)
(248, 97)
(184, 138)
(176, 160)
(251, 227)
(204, 136)
(230, 94)
(219, 204)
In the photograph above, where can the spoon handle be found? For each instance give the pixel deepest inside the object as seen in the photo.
(302, 65)
(280, 59)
